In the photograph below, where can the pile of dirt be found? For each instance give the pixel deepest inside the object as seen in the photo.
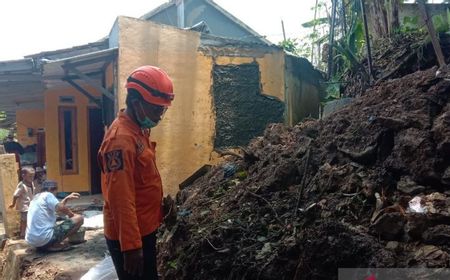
(305, 200)
(395, 57)
(41, 270)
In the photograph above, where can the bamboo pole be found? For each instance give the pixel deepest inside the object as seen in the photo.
(434, 40)
(331, 40)
(366, 31)
(284, 32)
(314, 31)
(344, 15)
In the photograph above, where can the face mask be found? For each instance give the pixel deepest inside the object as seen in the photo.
(146, 123)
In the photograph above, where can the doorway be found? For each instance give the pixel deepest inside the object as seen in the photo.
(96, 133)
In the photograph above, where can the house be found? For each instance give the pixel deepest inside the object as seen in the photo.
(227, 91)
(192, 13)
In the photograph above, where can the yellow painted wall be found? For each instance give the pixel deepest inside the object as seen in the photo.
(185, 135)
(271, 67)
(235, 60)
(67, 183)
(29, 118)
(109, 75)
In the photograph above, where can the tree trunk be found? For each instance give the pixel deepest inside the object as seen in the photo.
(394, 18)
(383, 17)
(377, 16)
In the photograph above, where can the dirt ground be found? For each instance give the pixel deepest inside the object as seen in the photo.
(69, 265)
(72, 264)
(306, 200)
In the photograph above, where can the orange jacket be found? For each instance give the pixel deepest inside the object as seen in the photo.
(131, 183)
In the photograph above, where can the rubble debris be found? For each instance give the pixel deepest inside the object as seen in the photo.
(325, 193)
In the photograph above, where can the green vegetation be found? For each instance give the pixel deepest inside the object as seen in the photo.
(3, 134)
(349, 48)
(290, 45)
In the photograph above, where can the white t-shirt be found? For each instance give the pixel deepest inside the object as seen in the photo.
(41, 219)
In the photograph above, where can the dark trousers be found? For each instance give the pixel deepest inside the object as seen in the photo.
(149, 249)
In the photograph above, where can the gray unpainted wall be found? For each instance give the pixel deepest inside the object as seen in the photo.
(242, 112)
(411, 10)
(303, 89)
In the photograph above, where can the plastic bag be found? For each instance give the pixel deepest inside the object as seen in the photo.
(415, 205)
(93, 221)
(104, 270)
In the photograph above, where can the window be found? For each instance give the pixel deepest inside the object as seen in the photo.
(68, 140)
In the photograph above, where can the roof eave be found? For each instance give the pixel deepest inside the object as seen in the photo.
(239, 22)
(158, 10)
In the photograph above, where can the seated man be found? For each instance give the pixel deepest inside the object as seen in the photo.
(42, 231)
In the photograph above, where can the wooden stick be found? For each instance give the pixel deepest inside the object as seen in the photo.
(434, 40)
(331, 40)
(366, 32)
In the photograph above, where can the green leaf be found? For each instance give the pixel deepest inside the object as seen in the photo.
(172, 264)
(3, 133)
(315, 22)
(440, 24)
(290, 45)
(355, 38)
(347, 53)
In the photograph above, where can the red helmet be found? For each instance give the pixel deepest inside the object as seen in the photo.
(153, 84)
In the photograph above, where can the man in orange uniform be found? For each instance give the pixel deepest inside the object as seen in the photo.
(131, 184)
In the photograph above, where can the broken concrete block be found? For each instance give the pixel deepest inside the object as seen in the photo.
(8, 184)
(335, 105)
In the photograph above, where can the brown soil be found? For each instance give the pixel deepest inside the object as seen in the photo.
(68, 265)
(40, 270)
(302, 201)
(395, 57)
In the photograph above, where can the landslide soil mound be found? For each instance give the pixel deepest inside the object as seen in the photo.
(395, 57)
(306, 200)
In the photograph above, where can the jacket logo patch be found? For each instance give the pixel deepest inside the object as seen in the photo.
(114, 161)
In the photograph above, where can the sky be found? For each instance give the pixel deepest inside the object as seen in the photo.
(33, 26)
